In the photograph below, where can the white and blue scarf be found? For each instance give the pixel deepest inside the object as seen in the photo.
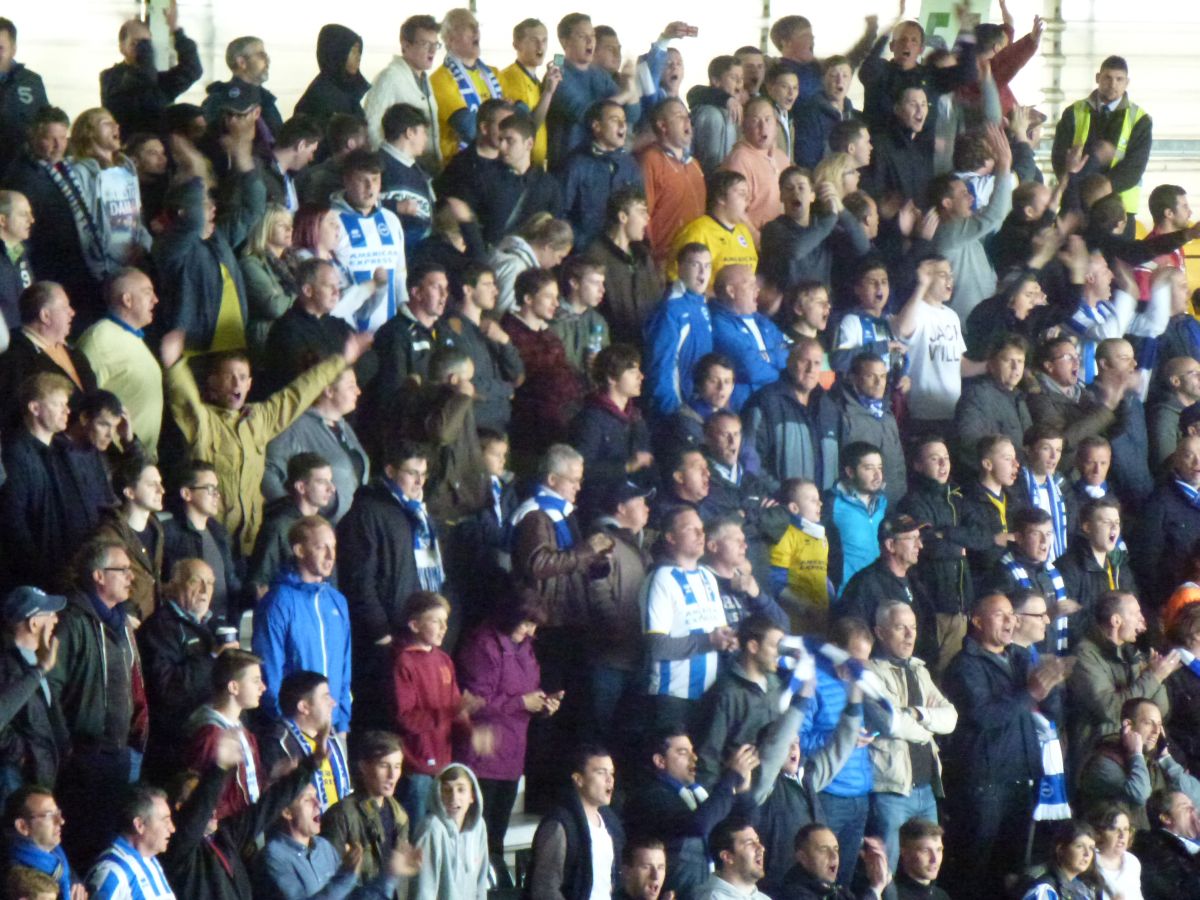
(426, 553)
(692, 795)
(798, 664)
(1049, 497)
(466, 87)
(557, 510)
(1052, 805)
(1189, 493)
(1081, 322)
(1021, 577)
(337, 762)
(1190, 662)
(870, 404)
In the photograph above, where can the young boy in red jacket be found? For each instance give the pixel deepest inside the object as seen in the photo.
(429, 705)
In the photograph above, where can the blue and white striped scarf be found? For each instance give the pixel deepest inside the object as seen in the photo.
(1049, 497)
(1189, 493)
(337, 762)
(1081, 322)
(1021, 577)
(466, 87)
(426, 553)
(556, 509)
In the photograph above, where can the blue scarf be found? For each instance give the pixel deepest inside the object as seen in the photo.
(337, 762)
(1021, 577)
(1189, 493)
(557, 509)
(24, 852)
(121, 323)
(426, 553)
(692, 795)
(466, 87)
(871, 405)
(114, 618)
(1081, 322)
(1049, 497)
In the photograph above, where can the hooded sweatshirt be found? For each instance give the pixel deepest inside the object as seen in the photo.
(455, 861)
(334, 90)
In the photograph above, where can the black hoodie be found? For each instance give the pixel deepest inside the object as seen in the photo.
(334, 90)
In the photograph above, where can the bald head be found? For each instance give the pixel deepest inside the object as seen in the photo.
(737, 288)
(1182, 375)
(131, 297)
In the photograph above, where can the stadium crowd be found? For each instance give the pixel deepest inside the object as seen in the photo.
(707, 493)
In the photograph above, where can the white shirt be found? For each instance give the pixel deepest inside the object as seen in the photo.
(602, 858)
(935, 353)
(400, 83)
(1125, 882)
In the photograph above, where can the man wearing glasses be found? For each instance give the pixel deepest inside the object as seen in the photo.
(406, 80)
(99, 679)
(36, 826)
(196, 533)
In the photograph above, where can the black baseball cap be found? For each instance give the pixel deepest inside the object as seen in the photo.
(623, 491)
(236, 97)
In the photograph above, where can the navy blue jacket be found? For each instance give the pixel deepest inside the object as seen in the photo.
(22, 96)
(995, 741)
(815, 118)
(588, 178)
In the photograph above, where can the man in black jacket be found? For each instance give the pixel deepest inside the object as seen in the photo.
(178, 647)
(675, 808)
(563, 846)
(307, 333)
(250, 65)
(34, 741)
(1171, 524)
(814, 876)
(45, 178)
(1098, 561)
(887, 579)
(133, 90)
(994, 758)
(1169, 867)
(194, 533)
(941, 569)
(920, 861)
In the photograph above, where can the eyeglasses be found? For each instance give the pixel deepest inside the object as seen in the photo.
(123, 569)
(206, 488)
(1041, 615)
(428, 45)
(55, 814)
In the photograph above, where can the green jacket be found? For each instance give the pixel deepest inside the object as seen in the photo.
(355, 820)
(99, 680)
(236, 442)
(1105, 676)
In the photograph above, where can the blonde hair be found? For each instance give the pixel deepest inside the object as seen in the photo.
(833, 169)
(260, 234)
(84, 133)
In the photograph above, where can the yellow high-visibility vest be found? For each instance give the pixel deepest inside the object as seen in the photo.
(1082, 111)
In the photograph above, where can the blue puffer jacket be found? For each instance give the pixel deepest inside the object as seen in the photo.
(854, 543)
(820, 721)
(304, 626)
(752, 368)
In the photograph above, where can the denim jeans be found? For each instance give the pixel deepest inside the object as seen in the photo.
(847, 818)
(890, 811)
(609, 688)
(413, 794)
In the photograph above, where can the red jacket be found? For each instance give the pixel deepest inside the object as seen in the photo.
(427, 706)
(201, 751)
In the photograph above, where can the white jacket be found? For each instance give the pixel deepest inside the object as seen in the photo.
(397, 83)
(889, 752)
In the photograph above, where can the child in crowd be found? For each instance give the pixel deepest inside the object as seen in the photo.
(428, 702)
(1043, 487)
(800, 561)
(578, 323)
(453, 840)
(808, 306)
(866, 328)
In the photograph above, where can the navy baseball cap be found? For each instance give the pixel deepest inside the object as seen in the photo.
(26, 601)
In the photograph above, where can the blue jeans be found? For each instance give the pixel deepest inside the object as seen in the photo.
(847, 818)
(890, 811)
(610, 687)
(413, 795)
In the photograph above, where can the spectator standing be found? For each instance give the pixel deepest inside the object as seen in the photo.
(757, 157)
(310, 489)
(22, 96)
(134, 525)
(406, 185)
(675, 192)
(134, 90)
(195, 532)
(339, 86)
(593, 172)
(521, 84)
(462, 83)
(130, 865)
(632, 284)
(406, 80)
(303, 624)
